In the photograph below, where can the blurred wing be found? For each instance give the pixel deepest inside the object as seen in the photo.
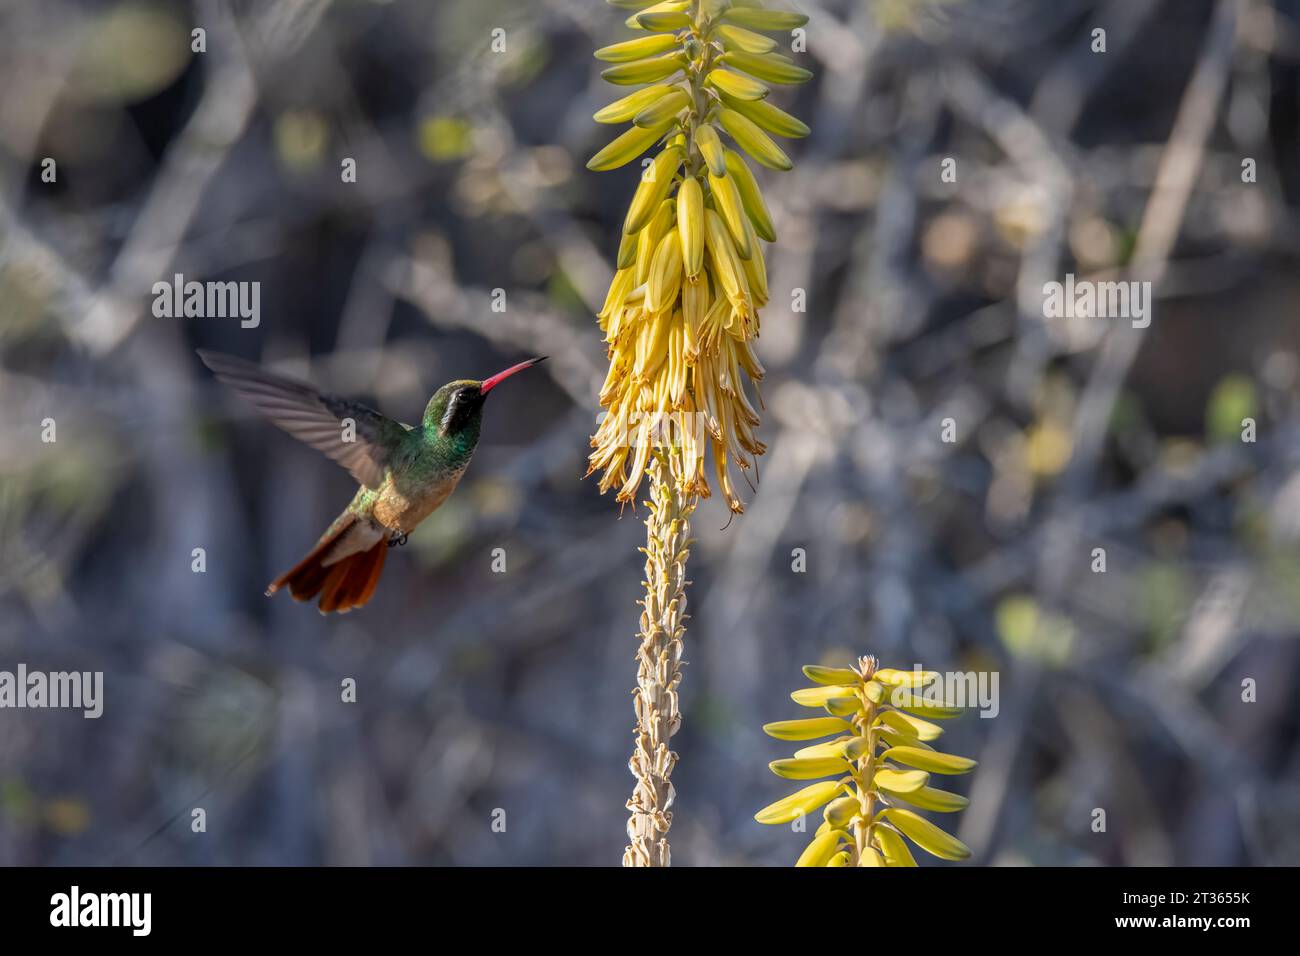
(314, 418)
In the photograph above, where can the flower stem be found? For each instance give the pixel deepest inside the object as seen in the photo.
(866, 769)
(663, 624)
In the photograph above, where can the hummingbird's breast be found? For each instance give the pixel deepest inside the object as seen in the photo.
(402, 502)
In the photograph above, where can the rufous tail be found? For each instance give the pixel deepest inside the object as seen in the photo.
(343, 584)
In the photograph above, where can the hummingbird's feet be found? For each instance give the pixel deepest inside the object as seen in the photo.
(397, 540)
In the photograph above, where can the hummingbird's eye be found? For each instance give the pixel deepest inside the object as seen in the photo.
(460, 408)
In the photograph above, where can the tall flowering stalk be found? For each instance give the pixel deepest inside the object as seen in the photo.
(682, 313)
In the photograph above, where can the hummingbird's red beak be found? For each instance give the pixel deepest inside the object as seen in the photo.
(488, 384)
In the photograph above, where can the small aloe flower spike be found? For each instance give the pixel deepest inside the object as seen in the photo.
(880, 724)
(682, 314)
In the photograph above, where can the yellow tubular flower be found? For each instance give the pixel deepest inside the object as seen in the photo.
(682, 308)
(879, 725)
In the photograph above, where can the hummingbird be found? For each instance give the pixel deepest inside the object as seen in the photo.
(405, 472)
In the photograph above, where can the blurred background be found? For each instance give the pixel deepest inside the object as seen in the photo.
(479, 691)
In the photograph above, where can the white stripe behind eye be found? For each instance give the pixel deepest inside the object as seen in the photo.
(451, 408)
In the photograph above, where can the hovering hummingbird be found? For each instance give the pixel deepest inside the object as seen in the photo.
(405, 472)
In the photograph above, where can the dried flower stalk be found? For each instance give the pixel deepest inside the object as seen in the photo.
(663, 623)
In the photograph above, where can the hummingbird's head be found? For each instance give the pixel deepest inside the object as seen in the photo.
(458, 405)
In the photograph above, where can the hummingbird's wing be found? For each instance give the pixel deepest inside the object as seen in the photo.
(314, 417)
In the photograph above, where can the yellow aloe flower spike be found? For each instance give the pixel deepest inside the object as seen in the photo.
(705, 63)
(880, 765)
